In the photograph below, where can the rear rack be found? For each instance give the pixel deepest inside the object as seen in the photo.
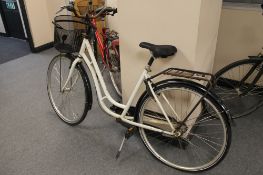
(187, 74)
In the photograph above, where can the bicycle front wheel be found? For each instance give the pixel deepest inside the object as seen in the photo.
(200, 143)
(234, 85)
(71, 105)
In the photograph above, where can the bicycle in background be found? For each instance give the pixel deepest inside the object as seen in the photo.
(240, 85)
(107, 42)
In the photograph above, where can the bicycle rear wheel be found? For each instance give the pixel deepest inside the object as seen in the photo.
(73, 104)
(201, 142)
(243, 98)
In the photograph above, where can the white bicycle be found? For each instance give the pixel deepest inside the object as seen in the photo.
(181, 123)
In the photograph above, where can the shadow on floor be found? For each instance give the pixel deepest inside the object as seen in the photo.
(12, 48)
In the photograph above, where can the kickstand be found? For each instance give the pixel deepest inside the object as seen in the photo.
(127, 135)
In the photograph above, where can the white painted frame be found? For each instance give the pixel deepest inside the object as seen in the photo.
(100, 85)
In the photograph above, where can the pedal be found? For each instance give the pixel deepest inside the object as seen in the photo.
(127, 135)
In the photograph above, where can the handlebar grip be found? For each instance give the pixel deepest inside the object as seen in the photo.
(69, 8)
(61, 9)
(115, 10)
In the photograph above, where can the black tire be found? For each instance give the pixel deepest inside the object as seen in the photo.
(238, 99)
(79, 84)
(180, 146)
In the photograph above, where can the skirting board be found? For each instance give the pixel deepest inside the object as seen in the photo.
(3, 34)
(42, 48)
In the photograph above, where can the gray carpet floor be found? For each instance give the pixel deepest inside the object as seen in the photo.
(33, 141)
(12, 48)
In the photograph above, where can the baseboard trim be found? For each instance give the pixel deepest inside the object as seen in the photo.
(3, 34)
(43, 47)
(34, 49)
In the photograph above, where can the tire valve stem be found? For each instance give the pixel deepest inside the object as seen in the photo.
(127, 135)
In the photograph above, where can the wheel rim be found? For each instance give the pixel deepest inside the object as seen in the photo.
(201, 149)
(69, 105)
(239, 98)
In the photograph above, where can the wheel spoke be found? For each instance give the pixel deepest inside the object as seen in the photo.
(70, 105)
(202, 138)
(239, 97)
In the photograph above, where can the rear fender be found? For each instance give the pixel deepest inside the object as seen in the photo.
(185, 82)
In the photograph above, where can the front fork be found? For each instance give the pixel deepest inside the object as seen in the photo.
(72, 68)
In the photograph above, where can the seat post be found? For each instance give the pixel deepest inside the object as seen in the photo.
(151, 61)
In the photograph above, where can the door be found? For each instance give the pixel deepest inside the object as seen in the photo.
(11, 14)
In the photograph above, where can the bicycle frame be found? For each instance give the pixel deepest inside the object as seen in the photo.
(101, 87)
(102, 44)
(250, 72)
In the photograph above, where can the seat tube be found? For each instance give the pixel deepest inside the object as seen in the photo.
(151, 61)
(134, 92)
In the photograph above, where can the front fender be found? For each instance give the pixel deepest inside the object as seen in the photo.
(88, 90)
(87, 82)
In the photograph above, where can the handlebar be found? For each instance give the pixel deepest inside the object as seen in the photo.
(104, 11)
(69, 8)
(100, 12)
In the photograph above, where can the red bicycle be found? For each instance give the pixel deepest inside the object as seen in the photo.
(108, 44)
(109, 51)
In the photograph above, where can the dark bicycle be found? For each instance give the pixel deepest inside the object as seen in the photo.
(240, 85)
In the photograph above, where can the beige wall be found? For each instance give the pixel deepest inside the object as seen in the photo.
(113, 21)
(207, 35)
(38, 20)
(170, 22)
(53, 6)
(240, 35)
(40, 15)
(2, 28)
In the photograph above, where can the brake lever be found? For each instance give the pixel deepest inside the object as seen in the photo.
(61, 9)
(72, 9)
(113, 32)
